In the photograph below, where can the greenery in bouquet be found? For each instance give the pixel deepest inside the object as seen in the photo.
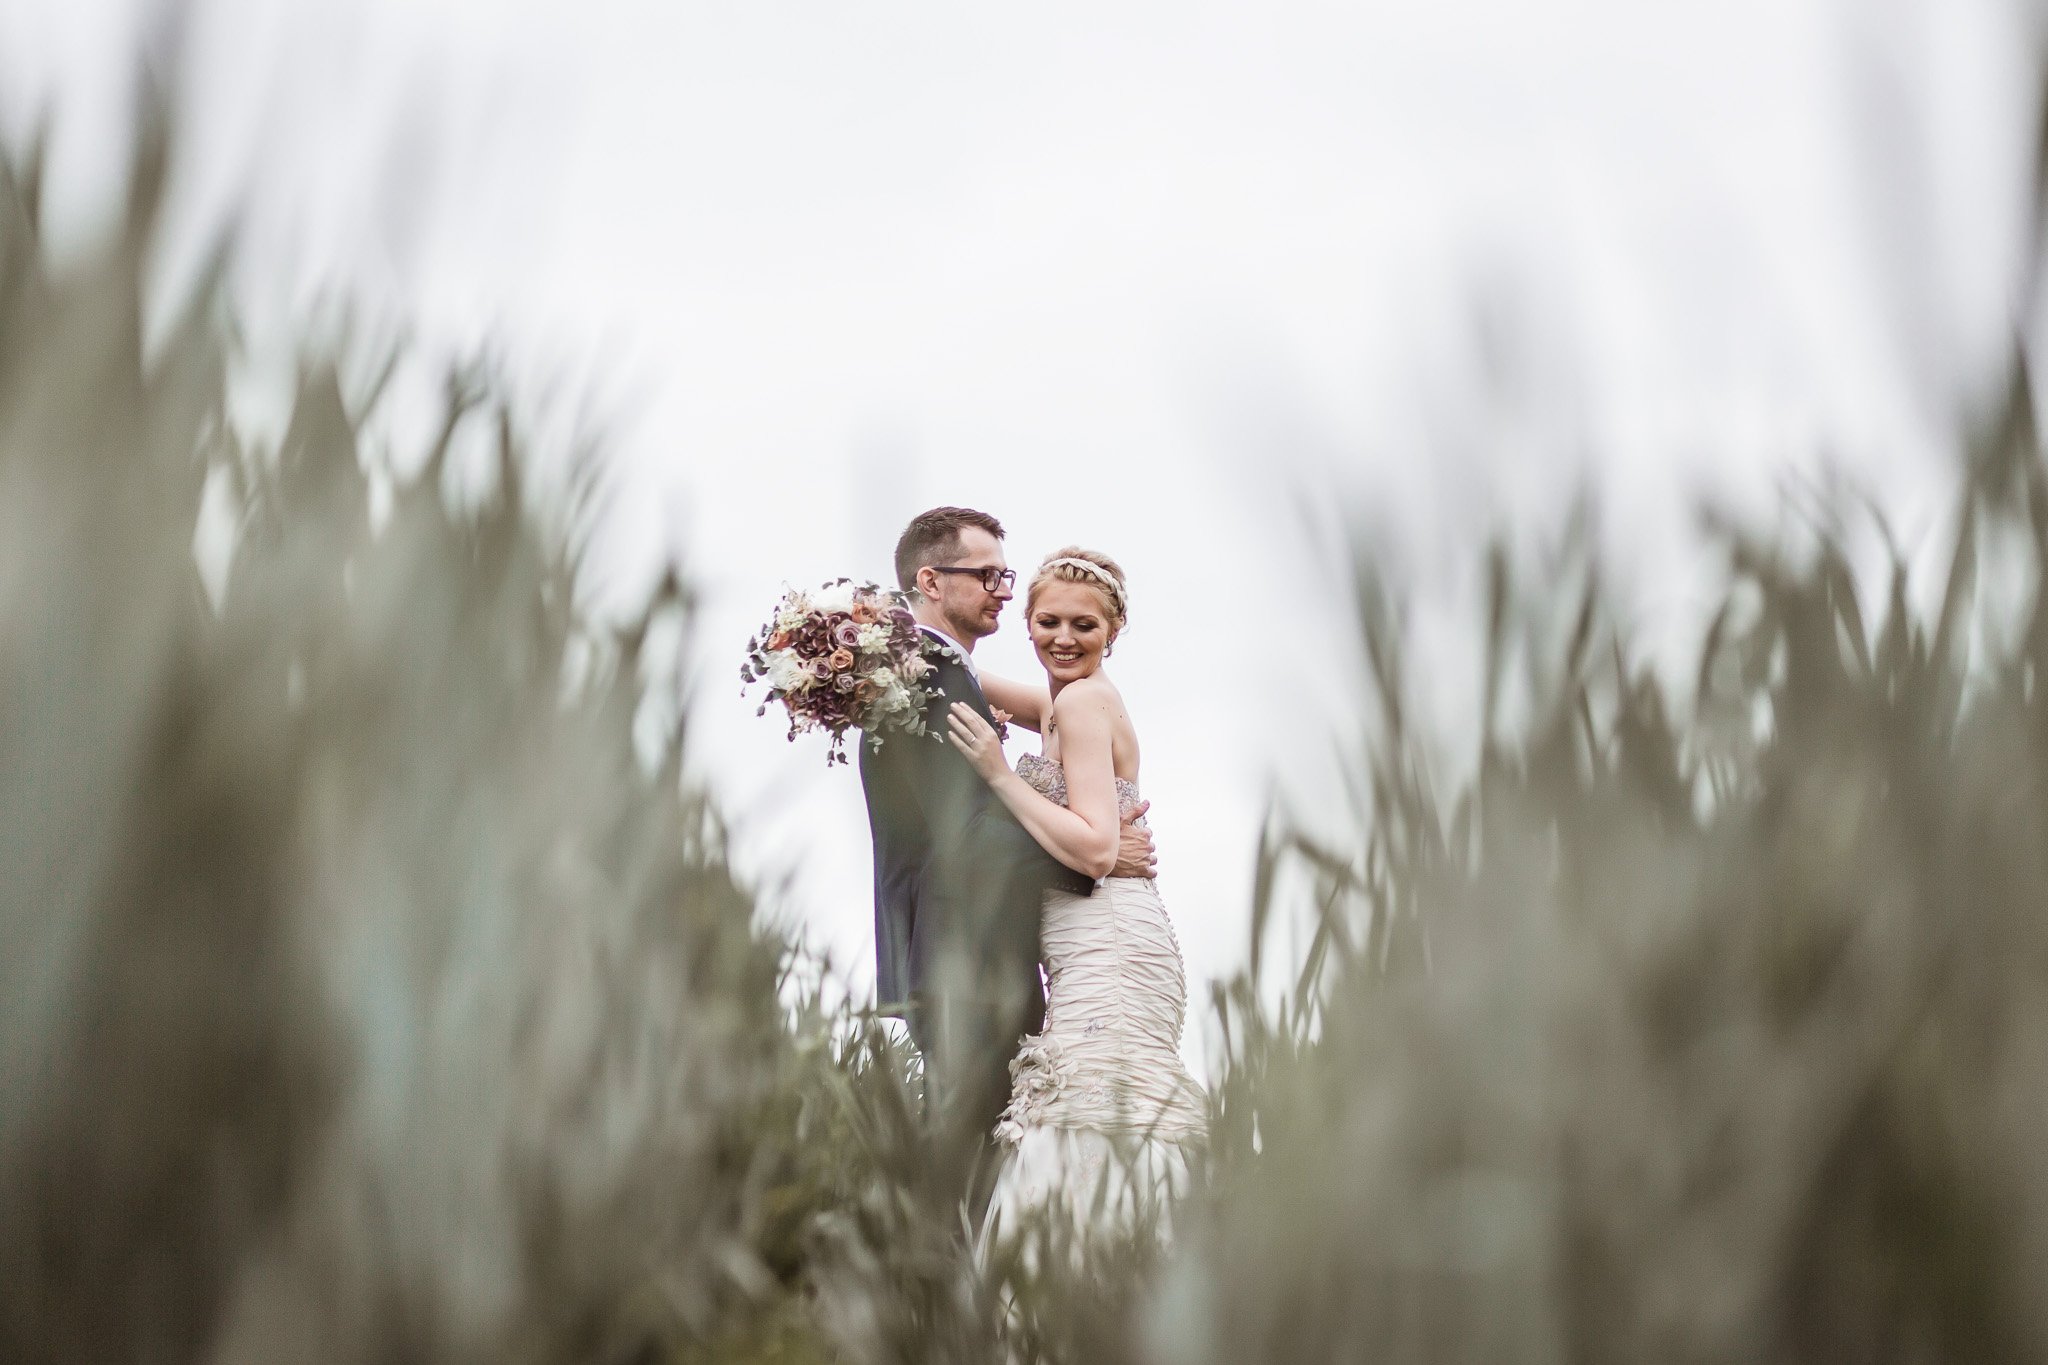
(844, 656)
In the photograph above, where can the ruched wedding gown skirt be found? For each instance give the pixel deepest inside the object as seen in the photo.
(1102, 1115)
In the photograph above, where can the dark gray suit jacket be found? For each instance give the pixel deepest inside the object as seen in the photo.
(951, 862)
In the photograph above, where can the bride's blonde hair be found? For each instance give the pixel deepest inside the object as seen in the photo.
(1092, 569)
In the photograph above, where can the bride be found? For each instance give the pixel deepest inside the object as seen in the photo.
(1102, 1113)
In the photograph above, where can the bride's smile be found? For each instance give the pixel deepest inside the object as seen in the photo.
(1068, 630)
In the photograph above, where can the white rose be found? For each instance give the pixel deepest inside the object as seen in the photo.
(787, 673)
(838, 597)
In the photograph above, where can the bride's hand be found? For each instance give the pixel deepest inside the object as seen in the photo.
(976, 738)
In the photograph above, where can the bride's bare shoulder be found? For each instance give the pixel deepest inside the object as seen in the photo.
(1092, 693)
(1098, 706)
(1094, 696)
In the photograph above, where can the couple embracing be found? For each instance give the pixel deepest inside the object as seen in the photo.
(1071, 1088)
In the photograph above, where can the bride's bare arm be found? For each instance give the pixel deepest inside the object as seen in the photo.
(1084, 833)
(1026, 703)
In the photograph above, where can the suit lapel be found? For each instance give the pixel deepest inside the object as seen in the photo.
(955, 683)
(971, 693)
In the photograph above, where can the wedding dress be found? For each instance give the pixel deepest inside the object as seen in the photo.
(1102, 1114)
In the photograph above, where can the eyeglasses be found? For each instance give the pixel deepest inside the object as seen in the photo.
(991, 578)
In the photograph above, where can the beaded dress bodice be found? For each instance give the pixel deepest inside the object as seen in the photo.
(1049, 779)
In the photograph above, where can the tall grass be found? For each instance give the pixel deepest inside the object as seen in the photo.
(375, 989)
(1691, 1027)
(366, 994)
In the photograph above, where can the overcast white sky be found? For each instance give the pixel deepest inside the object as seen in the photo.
(1149, 276)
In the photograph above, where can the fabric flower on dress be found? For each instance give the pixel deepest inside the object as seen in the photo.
(1035, 1085)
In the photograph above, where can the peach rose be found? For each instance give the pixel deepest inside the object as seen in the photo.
(840, 659)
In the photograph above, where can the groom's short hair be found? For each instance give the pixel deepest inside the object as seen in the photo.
(934, 538)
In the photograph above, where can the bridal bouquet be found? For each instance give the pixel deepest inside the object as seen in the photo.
(846, 656)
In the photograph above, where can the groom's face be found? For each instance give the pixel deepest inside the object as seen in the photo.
(971, 610)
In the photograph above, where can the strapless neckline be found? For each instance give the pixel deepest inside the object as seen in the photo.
(1049, 779)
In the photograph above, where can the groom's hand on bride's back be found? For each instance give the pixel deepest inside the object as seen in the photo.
(1135, 856)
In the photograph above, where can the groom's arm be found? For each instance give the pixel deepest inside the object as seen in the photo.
(1024, 703)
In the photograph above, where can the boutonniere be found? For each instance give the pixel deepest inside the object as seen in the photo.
(1002, 723)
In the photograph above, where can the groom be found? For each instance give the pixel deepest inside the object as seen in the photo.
(958, 883)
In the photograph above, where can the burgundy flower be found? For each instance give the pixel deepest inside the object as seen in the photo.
(829, 647)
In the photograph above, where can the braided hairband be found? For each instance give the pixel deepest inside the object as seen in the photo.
(1096, 572)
